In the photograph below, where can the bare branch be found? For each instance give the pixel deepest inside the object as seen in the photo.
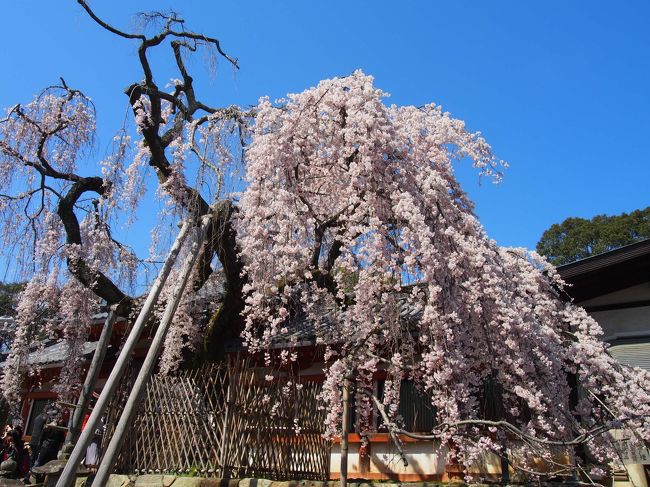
(106, 26)
(391, 430)
(209, 40)
(504, 425)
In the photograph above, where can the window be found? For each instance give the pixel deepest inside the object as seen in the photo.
(415, 407)
(38, 406)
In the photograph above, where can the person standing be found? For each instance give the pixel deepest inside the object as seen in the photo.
(37, 433)
(51, 439)
(93, 451)
(12, 453)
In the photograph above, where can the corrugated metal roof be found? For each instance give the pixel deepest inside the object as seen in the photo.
(632, 354)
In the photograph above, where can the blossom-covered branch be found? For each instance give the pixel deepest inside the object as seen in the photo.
(343, 185)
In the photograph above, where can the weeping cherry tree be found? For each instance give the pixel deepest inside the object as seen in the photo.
(351, 218)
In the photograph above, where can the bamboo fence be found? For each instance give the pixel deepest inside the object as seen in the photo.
(224, 421)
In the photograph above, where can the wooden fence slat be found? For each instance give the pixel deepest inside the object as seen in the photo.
(224, 421)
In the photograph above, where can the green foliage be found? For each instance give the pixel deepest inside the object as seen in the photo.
(348, 279)
(9, 297)
(577, 238)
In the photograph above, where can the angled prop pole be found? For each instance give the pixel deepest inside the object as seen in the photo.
(131, 407)
(91, 379)
(69, 472)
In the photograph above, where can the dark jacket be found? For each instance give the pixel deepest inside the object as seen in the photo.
(37, 430)
(52, 438)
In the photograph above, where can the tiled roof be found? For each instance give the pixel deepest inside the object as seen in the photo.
(604, 260)
(302, 331)
(56, 353)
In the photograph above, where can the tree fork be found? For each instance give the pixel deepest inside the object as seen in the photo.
(93, 279)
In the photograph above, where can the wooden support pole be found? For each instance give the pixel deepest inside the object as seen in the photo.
(69, 472)
(505, 468)
(132, 403)
(90, 381)
(345, 429)
(225, 431)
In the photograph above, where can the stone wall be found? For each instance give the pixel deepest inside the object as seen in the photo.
(174, 481)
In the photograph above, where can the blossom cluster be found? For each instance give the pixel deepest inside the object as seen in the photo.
(41, 146)
(353, 218)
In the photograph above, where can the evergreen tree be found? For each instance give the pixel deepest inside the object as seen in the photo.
(578, 238)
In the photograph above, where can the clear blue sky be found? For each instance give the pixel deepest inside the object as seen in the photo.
(561, 89)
